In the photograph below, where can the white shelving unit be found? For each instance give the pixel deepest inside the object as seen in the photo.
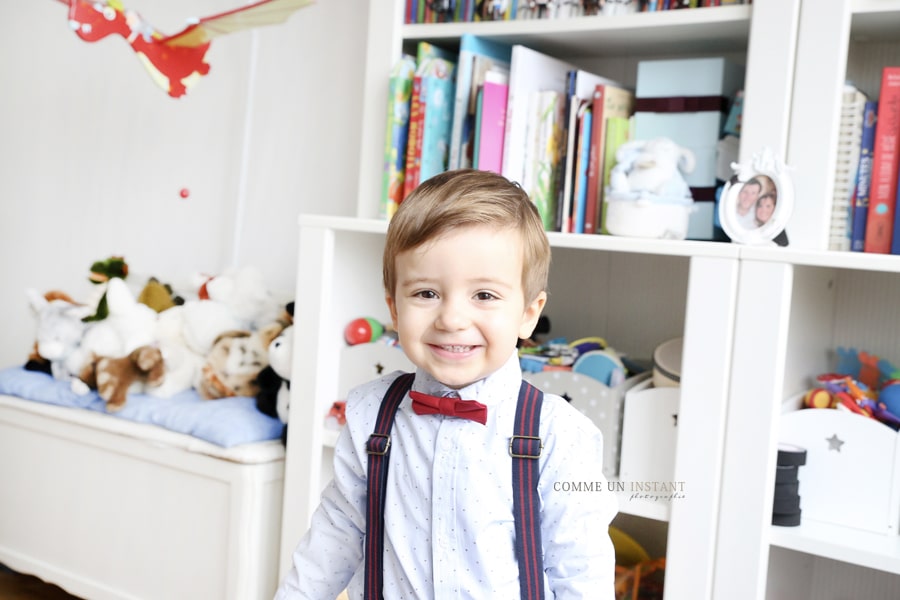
(636, 293)
(756, 321)
(794, 309)
(795, 306)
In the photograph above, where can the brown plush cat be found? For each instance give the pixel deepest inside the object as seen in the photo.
(112, 377)
(233, 364)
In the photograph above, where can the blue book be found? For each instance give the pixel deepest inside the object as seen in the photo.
(476, 57)
(584, 151)
(860, 204)
(437, 113)
(895, 241)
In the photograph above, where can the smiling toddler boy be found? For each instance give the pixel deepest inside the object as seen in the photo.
(465, 270)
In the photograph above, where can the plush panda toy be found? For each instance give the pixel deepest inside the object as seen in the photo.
(274, 381)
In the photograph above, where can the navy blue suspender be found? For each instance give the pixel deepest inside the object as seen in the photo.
(378, 448)
(524, 448)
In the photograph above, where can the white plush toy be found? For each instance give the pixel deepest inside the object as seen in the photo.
(244, 292)
(60, 329)
(237, 300)
(652, 166)
(648, 195)
(128, 326)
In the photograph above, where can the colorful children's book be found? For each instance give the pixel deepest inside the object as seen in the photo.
(581, 89)
(618, 131)
(609, 101)
(426, 50)
(530, 71)
(437, 116)
(414, 139)
(492, 122)
(428, 138)
(569, 150)
(885, 162)
(396, 135)
(543, 140)
(863, 178)
(581, 167)
(476, 57)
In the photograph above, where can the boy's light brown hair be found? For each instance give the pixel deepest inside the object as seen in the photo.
(466, 198)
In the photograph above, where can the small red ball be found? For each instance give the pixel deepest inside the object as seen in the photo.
(184, 192)
(362, 330)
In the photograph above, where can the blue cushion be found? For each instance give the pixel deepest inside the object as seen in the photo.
(226, 422)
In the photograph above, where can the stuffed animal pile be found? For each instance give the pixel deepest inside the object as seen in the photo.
(273, 396)
(157, 342)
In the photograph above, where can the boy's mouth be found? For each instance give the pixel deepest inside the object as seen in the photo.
(456, 348)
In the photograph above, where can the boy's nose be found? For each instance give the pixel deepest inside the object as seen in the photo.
(452, 316)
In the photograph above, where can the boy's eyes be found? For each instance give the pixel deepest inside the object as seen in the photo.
(431, 294)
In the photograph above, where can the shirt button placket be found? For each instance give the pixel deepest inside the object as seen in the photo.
(444, 513)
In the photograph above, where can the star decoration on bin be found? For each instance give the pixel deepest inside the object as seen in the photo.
(834, 442)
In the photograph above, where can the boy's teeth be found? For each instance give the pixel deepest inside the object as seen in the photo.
(457, 348)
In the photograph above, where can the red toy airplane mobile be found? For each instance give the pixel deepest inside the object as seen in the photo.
(177, 61)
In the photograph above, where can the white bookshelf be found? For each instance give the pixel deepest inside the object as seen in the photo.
(796, 305)
(757, 322)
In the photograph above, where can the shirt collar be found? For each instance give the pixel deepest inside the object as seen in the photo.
(490, 391)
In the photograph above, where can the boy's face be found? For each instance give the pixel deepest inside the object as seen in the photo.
(764, 210)
(459, 306)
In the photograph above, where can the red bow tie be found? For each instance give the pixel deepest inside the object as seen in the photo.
(423, 404)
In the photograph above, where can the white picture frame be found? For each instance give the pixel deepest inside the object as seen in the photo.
(757, 202)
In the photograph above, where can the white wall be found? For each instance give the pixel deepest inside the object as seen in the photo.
(93, 155)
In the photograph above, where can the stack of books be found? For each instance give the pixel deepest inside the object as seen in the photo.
(866, 203)
(531, 117)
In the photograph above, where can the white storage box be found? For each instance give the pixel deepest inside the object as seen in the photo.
(602, 404)
(850, 476)
(649, 429)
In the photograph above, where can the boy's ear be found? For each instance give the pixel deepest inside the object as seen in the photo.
(392, 306)
(531, 315)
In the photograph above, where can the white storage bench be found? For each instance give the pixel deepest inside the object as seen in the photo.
(108, 508)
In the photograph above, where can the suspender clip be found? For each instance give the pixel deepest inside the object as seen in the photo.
(525, 446)
(378, 444)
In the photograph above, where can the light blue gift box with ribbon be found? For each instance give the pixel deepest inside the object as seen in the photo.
(687, 100)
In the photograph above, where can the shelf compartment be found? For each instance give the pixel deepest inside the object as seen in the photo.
(854, 546)
(702, 30)
(875, 20)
